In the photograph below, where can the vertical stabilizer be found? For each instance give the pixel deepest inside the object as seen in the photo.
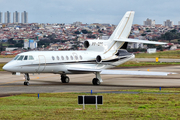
(124, 27)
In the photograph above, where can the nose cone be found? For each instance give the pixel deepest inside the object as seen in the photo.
(6, 67)
(10, 66)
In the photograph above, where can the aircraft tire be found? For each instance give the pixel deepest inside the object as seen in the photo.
(96, 81)
(65, 79)
(26, 83)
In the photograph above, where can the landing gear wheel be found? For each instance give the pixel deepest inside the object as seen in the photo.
(26, 83)
(96, 81)
(65, 79)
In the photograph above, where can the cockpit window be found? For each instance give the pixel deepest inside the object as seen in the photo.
(21, 57)
(26, 57)
(16, 57)
(31, 57)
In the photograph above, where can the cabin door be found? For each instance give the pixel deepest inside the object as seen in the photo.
(42, 63)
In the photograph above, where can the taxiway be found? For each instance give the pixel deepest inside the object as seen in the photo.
(50, 83)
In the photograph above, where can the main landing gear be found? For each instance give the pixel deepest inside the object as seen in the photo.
(64, 78)
(97, 80)
(27, 78)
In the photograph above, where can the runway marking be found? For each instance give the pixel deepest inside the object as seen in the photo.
(11, 82)
(23, 80)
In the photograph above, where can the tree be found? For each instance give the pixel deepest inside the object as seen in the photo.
(174, 31)
(18, 45)
(169, 36)
(84, 31)
(143, 34)
(11, 41)
(77, 32)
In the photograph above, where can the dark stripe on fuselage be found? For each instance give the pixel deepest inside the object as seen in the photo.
(77, 62)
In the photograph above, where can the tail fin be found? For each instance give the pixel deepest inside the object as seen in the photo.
(124, 27)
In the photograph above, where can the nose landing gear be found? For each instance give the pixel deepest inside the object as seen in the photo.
(27, 78)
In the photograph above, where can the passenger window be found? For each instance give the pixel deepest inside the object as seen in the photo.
(53, 58)
(71, 57)
(57, 57)
(62, 58)
(67, 58)
(76, 57)
(26, 57)
(80, 57)
(16, 57)
(31, 57)
(21, 57)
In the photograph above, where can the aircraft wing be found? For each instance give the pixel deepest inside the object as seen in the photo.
(139, 41)
(123, 72)
(119, 72)
(84, 70)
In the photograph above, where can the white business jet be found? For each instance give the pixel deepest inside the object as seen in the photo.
(100, 55)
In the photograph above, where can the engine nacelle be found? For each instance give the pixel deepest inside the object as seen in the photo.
(95, 45)
(98, 59)
(105, 57)
(86, 44)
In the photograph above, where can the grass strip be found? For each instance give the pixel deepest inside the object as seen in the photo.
(172, 54)
(7, 56)
(146, 64)
(115, 106)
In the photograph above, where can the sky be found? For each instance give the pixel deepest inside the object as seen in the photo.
(93, 11)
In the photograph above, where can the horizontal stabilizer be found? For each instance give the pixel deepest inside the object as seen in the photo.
(139, 41)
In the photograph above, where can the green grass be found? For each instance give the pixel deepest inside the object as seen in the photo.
(163, 90)
(173, 54)
(146, 64)
(115, 106)
(1, 65)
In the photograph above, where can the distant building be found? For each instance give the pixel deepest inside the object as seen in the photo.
(179, 23)
(16, 17)
(168, 23)
(1, 16)
(30, 43)
(151, 50)
(77, 23)
(149, 22)
(24, 17)
(7, 17)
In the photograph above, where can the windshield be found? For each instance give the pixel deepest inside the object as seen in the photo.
(15, 58)
(21, 57)
(24, 57)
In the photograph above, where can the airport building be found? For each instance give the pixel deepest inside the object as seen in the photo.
(30, 43)
(1, 14)
(24, 17)
(16, 17)
(149, 22)
(7, 17)
(168, 23)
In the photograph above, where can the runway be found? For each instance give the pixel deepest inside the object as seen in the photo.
(50, 83)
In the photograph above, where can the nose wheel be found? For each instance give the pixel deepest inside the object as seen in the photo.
(26, 83)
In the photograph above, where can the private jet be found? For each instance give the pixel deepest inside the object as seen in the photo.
(97, 58)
